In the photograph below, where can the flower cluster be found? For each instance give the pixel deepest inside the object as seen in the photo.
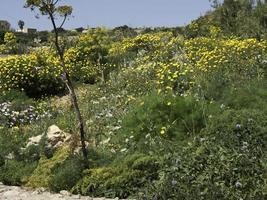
(11, 116)
(37, 72)
(204, 55)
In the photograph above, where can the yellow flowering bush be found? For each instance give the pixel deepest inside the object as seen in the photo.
(206, 53)
(237, 59)
(37, 73)
(88, 58)
(141, 42)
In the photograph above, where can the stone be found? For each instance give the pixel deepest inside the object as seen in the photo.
(78, 196)
(40, 190)
(56, 137)
(65, 193)
(34, 141)
(52, 130)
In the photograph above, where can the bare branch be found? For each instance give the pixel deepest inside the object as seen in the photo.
(63, 22)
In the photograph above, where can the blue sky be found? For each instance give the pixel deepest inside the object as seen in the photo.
(112, 13)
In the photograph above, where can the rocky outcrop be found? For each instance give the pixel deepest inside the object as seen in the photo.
(54, 138)
(17, 193)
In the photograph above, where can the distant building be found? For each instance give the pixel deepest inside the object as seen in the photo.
(27, 30)
(4, 25)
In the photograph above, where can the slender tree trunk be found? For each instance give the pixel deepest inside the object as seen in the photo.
(75, 104)
(73, 96)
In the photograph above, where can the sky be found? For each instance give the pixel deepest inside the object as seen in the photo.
(111, 13)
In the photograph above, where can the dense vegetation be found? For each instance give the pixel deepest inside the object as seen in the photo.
(170, 113)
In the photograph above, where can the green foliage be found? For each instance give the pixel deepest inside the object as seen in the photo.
(10, 44)
(15, 96)
(43, 174)
(252, 95)
(46, 7)
(16, 172)
(243, 18)
(104, 105)
(201, 135)
(2, 36)
(225, 161)
(11, 140)
(158, 120)
(89, 57)
(121, 179)
(66, 175)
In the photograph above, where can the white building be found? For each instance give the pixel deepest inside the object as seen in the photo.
(27, 30)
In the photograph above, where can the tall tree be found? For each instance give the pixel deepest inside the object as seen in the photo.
(54, 10)
(21, 24)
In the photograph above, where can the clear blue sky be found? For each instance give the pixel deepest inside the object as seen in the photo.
(111, 13)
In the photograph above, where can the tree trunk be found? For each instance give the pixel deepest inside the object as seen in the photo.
(75, 104)
(73, 96)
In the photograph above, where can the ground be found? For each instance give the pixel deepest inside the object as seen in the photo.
(17, 193)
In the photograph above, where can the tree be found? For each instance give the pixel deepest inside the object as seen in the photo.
(54, 11)
(215, 3)
(21, 24)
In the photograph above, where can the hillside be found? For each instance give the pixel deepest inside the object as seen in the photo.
(169, 113)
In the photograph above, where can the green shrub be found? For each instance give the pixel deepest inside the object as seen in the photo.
(66, 175)
(252, 95)
(226, 161)
(43, 174)
(16, 172)
(159, 121)
(11, 141)
(122, 178)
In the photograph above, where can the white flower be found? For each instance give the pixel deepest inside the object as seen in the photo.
(238, 184)
(123, 150)
(238, 126)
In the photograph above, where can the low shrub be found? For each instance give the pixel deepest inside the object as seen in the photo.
(15, 172)
(66, 175)
(159, 121)
(43, 174)
(124, 177)
(226, 161)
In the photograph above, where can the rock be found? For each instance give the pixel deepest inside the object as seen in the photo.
(53, 130)
(65, 193)
(34, 141)
(17, 193)
(40, 190)
(56, 137)
(76, 196)
(8, 194)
